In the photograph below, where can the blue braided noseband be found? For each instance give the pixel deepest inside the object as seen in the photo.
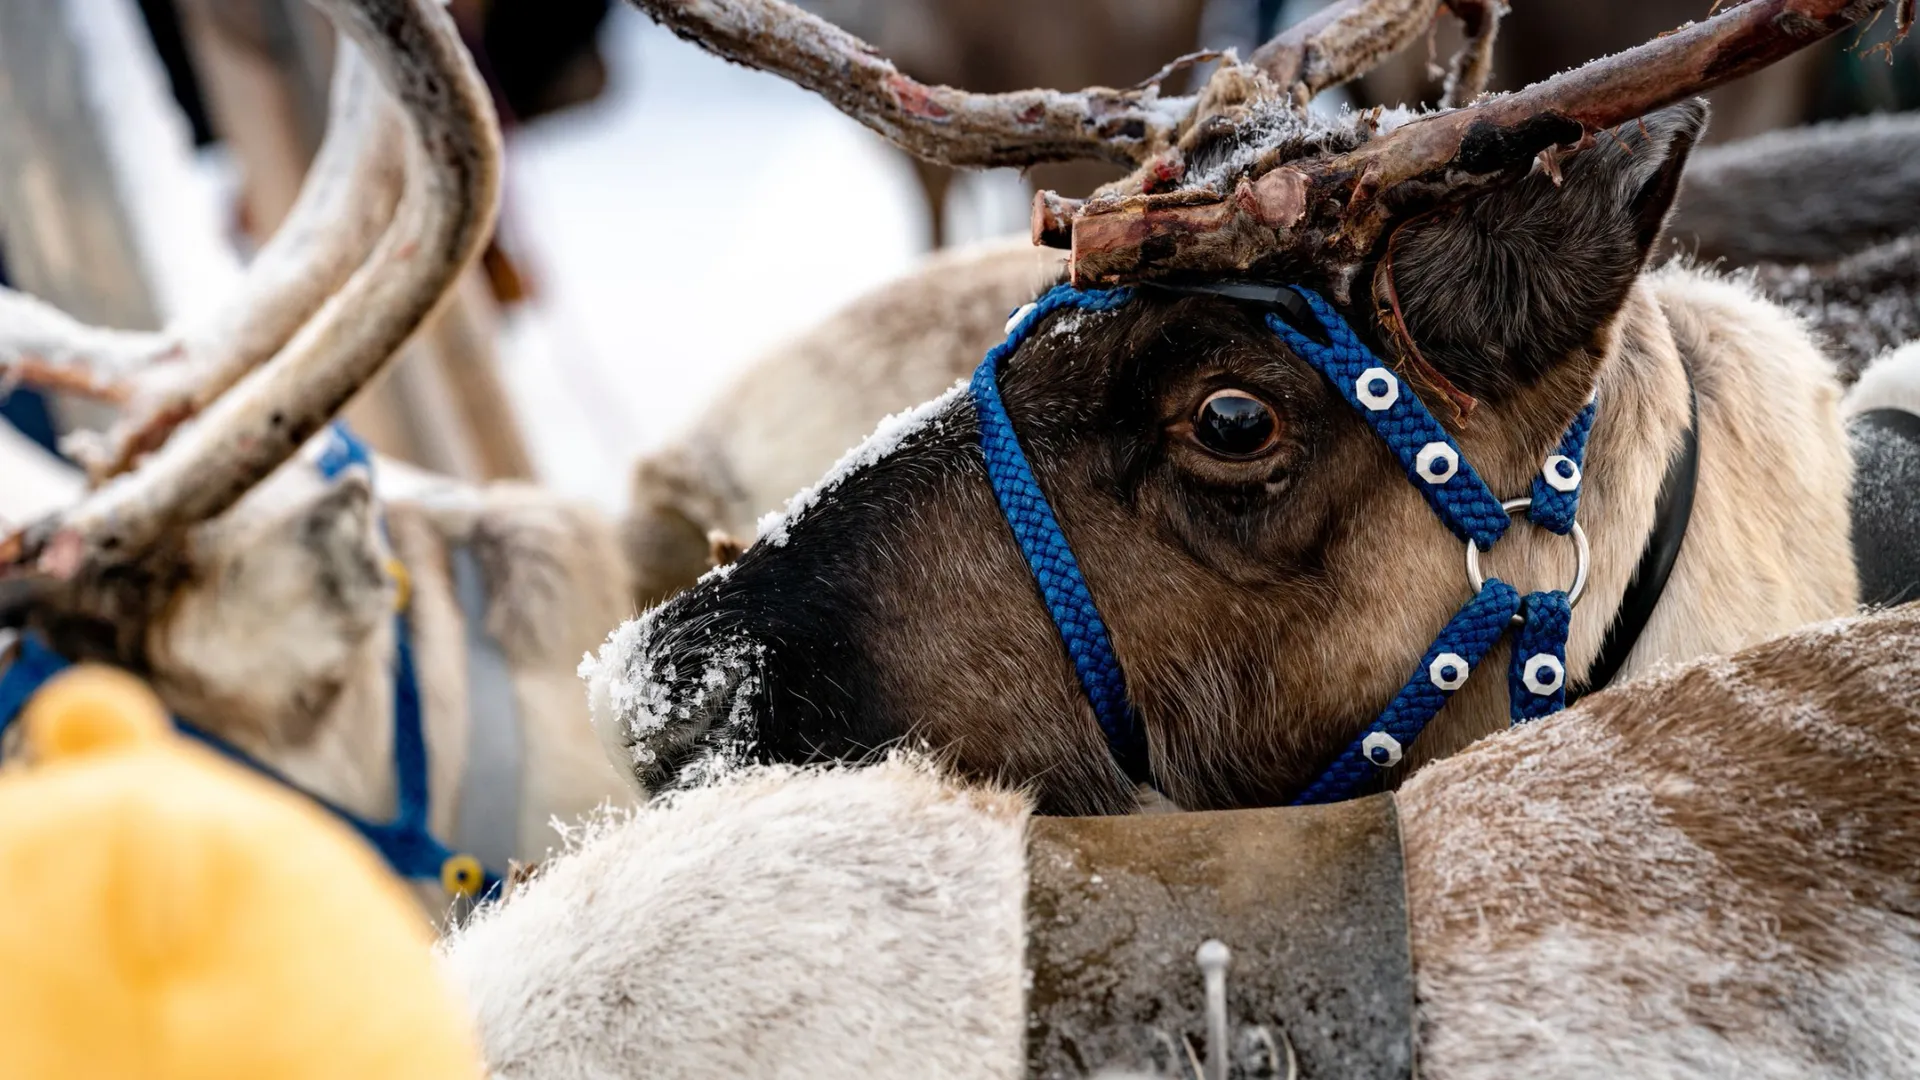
(1433, 463)
(1045, 546)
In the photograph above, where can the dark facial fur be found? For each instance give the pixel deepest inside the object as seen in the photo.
(1263, 610)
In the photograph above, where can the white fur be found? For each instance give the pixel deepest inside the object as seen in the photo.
(1768, 547)
(844, 923)
(256, 633)
(1891, 382)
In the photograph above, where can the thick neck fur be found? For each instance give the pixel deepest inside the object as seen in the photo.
(1706, 873)
(1767, 546)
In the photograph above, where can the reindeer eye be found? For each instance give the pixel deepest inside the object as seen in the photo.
(1235, 424)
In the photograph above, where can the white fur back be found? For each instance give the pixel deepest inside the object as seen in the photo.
(862, 923)
(1890, 382)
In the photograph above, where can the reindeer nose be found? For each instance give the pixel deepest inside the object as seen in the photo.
(680, 692)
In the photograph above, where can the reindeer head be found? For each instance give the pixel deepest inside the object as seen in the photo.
(1265, 571)
(279, 604)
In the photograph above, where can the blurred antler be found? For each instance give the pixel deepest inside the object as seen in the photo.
(955, 127)
(167, 377)
(1345, 40)
(937, 123)
(1330, 211)
(42, 346)
(1473, 65)
(443, 217)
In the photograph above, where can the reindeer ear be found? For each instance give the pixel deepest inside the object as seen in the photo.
(1500, 290)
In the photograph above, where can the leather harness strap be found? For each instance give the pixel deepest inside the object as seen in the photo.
(1672, 512)
(1311, 901)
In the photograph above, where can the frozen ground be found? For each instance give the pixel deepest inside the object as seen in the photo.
(693, 216)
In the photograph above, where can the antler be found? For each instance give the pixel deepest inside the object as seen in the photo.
(1329, 211)
(443, 217)
(938, 123)
(955, 127)
(1345, 40)
(163, 379)
(1473, 64)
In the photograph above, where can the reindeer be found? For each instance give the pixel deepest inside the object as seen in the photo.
(1263, 568)
(257, 592)
(1705, 873)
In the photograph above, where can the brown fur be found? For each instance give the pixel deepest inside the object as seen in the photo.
(1720, 858)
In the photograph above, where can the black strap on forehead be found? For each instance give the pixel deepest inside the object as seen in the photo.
(1283, 300)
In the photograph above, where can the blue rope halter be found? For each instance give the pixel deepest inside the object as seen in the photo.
(1435, 466)
(406, 842)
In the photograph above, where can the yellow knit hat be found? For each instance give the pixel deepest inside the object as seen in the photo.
(165, 914)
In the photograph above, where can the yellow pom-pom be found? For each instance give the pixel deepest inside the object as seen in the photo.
(90, 708)
(462, 875)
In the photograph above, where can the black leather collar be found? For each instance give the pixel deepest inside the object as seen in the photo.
(1310, 902)
(1670, 517)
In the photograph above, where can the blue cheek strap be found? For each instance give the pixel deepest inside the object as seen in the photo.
(1045, 547)
(1537, 678)
(406, 842)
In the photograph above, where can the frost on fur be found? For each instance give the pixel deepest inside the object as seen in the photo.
(886, 439)
(630, 696)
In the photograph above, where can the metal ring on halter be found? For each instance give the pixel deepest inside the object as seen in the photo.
(1581, 554)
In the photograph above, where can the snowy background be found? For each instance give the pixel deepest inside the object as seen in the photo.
(691, 217)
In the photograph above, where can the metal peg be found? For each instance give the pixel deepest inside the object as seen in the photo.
(1213, 957)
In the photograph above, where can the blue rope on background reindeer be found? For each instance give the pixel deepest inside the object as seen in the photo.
(406, 841)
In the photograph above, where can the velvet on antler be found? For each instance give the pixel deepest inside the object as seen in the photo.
(1329, 211)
